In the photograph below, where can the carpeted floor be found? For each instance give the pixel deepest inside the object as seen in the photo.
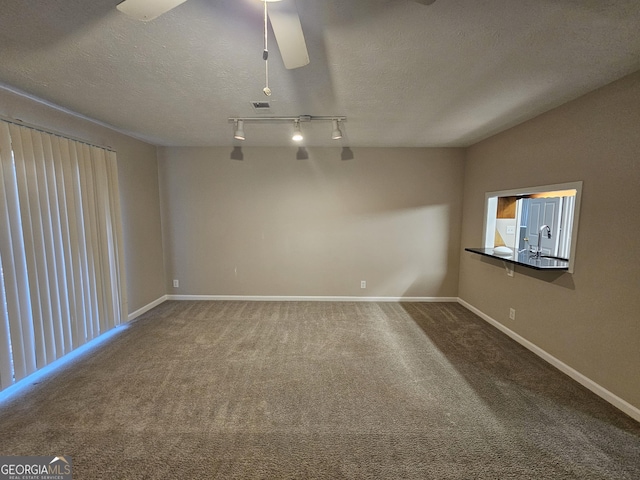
(315, 390)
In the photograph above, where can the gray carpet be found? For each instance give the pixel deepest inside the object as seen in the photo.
(284, 390)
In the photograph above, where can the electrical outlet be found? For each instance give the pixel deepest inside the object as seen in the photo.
(512, 313)
(176, 283)
(363, 284)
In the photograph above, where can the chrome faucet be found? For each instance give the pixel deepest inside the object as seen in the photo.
(544, 230)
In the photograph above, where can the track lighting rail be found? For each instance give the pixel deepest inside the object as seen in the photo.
(240, 121)
(299, 118)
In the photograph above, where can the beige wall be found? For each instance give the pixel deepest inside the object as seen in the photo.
(589, 320)
(139, 192)
(274, 225)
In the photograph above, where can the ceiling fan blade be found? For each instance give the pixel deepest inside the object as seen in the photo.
(146, 10)
(288, 32)
(426, 2)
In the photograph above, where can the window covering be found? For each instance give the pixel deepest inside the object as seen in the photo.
(62, 280)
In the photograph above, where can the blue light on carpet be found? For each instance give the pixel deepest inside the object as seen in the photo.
(40, 374)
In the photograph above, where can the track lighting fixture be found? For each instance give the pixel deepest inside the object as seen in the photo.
(336, 134)
(297, 133)
(238, 122)
(239, 131)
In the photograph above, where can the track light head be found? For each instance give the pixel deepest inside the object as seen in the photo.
(239, 131)
(336, 134)
(297, 133)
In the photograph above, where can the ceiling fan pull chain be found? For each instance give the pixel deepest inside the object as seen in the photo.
(266, 90)
(265, 52)
(265, 55)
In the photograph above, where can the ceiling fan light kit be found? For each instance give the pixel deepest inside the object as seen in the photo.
(336, 133)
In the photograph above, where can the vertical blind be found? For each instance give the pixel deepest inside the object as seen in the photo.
(61, 258)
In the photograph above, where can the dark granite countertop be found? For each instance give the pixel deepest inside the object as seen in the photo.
(526, 259)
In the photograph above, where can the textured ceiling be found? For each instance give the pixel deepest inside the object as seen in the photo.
(405, 74)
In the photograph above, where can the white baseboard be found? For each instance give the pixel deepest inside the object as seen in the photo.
(599, 390)
(146, 308)
(268, 298)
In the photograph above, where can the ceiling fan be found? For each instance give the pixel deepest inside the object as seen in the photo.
(283, 15)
